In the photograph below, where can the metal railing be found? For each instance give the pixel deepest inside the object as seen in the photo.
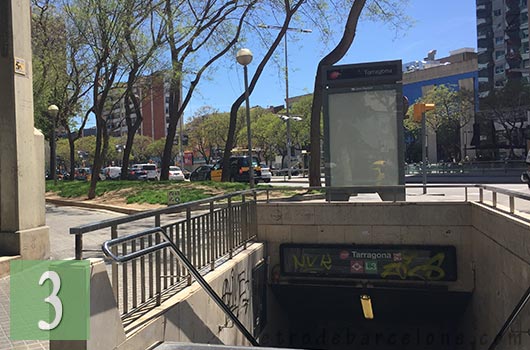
(500, 167)
(159, 240)
(212, 228)
(215, 228)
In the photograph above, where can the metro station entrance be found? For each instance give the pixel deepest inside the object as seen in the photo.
(331, 317)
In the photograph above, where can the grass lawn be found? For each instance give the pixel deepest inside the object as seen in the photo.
(152, 192)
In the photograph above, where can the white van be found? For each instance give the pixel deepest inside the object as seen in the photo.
(112, 172)
(144, 172)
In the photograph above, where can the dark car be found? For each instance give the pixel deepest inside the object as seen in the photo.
(83, 174)
(240, 166)
(202, 173)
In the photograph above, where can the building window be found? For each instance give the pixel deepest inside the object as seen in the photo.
(499, 69)
(524, 33)
(524, 17)
(497, 12)
(499, 54)
(499, 83)
(524, 48)
(499, 40)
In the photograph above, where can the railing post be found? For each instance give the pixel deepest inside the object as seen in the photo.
(212, 243)
(188, 240)
(267, 195)
(481, 195)
(114, 266)
(465, 188)
(512, 204)
(494, 198)
(79, 246)
(158, 269)
(244, 221)
(230, 229)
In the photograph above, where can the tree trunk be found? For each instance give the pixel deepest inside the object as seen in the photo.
(230, 142)
(175, 113)
(71, 143)
(333, 57)
(100, 125)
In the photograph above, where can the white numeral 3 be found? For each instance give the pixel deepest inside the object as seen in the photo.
(52, 299)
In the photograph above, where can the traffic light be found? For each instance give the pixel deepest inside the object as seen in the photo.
(184, 140)
(420, 108)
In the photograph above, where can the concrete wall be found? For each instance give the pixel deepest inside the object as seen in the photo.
(191, 316)
(188, 316)
(501, 251)
(493, 251)
(370, 223)
(22, 211)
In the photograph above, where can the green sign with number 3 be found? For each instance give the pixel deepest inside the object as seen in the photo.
(50, 300)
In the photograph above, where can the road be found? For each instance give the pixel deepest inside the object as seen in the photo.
(60, 219)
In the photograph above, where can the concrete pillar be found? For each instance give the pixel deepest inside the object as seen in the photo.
(106, 327)
(22, 212)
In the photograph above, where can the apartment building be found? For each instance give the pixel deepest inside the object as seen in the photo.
(502, 40)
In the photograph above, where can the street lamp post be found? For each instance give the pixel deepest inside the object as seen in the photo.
(287, 111)
(244, 57)
(53, 110)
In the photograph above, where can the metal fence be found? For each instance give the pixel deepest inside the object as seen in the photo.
(212, 229)
(499, 167)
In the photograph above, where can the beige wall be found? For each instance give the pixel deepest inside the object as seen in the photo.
(493, 250)
(191, 316)
(501, 251)
(370, 223)
(22, 211)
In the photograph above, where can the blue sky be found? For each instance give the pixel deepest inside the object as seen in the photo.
(442, 25)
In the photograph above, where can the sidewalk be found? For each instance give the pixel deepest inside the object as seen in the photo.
(5, 342)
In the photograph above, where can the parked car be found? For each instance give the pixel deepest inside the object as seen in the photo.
(202, 173)
(176, 174)
(186, 173)
(143, 172)
(266, 174)
(240, 166)
(83, 174)
(111, 173)
(59, 175)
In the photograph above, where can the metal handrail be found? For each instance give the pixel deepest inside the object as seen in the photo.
(82, 229)
(168, 243)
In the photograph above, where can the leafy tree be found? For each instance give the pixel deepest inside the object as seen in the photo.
(141, 46)
(208, 133)
(59, 75)
(212, 26)
(508, 107)
(268, 134)
(453, 110)
(156, 149)
(288, 9)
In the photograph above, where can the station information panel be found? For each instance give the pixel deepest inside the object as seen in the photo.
(363, 125)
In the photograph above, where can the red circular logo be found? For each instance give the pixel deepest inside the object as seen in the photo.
(344, 254)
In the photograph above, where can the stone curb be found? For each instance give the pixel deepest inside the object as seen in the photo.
(114, 208)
